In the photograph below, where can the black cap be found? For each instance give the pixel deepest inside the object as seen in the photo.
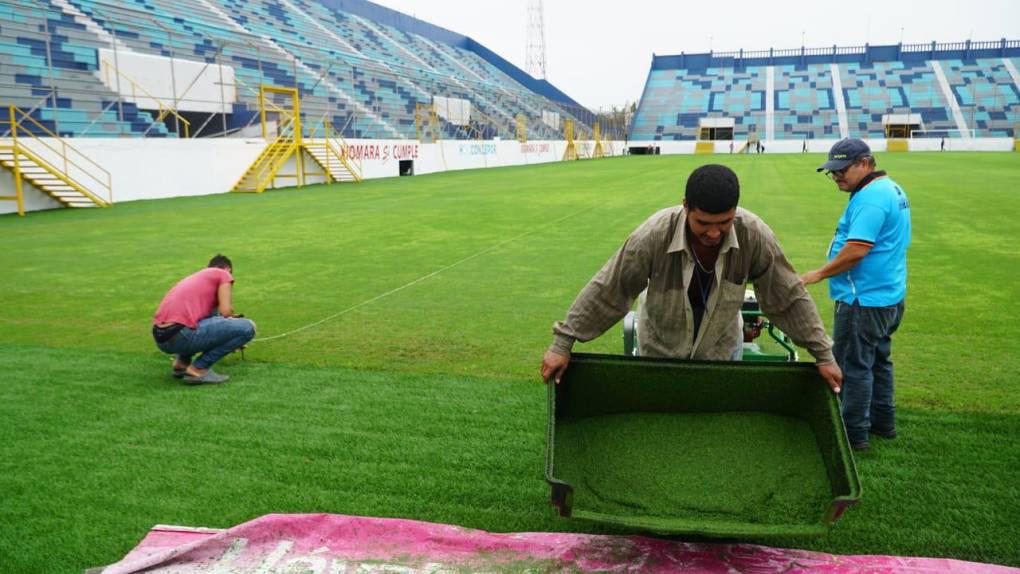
(845, 152)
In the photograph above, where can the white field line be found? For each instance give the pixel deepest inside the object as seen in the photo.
(422, 278)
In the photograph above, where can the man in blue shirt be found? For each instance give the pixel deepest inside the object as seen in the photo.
(867, 273)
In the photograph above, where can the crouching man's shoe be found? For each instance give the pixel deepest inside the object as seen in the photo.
(209, 378)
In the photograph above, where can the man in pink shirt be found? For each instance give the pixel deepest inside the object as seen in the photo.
(197, 316)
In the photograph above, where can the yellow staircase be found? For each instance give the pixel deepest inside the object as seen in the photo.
(51, 165)
(570, 153)
(704, 147)
(897, 144)
(334, 162)
(263, 171)
(329, 152)
(599, 150)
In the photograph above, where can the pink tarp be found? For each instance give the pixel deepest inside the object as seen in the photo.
(334, 544)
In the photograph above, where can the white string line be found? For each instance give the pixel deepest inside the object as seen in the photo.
(423, 277)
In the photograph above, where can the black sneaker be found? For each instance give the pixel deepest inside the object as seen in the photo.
(891, 433)
(860, 446)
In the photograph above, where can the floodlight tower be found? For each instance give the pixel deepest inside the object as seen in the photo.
(535, 54)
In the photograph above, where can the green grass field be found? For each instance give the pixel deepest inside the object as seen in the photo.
(425, 403)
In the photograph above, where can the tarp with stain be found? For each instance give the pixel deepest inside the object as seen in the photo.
(330, 543)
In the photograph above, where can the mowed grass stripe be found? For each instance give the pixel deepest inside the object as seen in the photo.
(220, 455)
(223, 455)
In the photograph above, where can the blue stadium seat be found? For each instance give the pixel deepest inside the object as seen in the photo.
(367, 77)
(804, 99)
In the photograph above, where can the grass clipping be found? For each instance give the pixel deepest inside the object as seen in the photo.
(715, 467)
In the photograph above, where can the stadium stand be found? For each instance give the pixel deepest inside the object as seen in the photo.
(361, 67)
(950, 90)
(67, 94)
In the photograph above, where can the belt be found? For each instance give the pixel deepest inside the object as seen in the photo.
(164, 335)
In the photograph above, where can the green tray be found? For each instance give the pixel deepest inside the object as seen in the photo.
(723, 449)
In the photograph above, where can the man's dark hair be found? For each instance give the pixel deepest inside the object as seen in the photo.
(712, 188)
(221, 261)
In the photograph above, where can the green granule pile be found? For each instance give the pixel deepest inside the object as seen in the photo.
(745, 467)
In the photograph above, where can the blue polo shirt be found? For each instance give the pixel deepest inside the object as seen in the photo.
(877, 215)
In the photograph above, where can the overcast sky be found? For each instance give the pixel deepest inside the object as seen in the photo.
(599, 51)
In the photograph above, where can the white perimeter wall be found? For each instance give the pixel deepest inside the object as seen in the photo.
(153, 168)
(161, 168)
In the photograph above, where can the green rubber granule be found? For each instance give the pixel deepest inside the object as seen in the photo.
(748, 467)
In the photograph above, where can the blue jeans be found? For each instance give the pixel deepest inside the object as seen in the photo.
(862, 343)
(215, 338)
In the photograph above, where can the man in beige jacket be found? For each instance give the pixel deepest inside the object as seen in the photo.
(690, 265)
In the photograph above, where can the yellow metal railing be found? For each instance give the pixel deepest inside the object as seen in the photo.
(284, 151)
(599, 150)
(333, 144)
(264, 170)
(266, 166)
(285, 142)
(338, 146)
(288, 117)
(164, 109)
(426, 120)
(570, 153)
(897, 144)
(289, 140)
(259, 92)
(61, 160)
(488, 121)
(263, 103)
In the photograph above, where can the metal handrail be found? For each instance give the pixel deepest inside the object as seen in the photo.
(255, 93)
(38, 104)
(329, 136)
(489, 120)
(286, 145)
(14, 121)
(344, 153)
(164, 110)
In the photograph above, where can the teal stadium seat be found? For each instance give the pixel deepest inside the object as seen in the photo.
(805, 100)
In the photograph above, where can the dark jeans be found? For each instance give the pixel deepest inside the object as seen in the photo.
(862, 343)
(215, 338)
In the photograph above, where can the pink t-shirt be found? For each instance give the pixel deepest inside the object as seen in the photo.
(193, 298)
